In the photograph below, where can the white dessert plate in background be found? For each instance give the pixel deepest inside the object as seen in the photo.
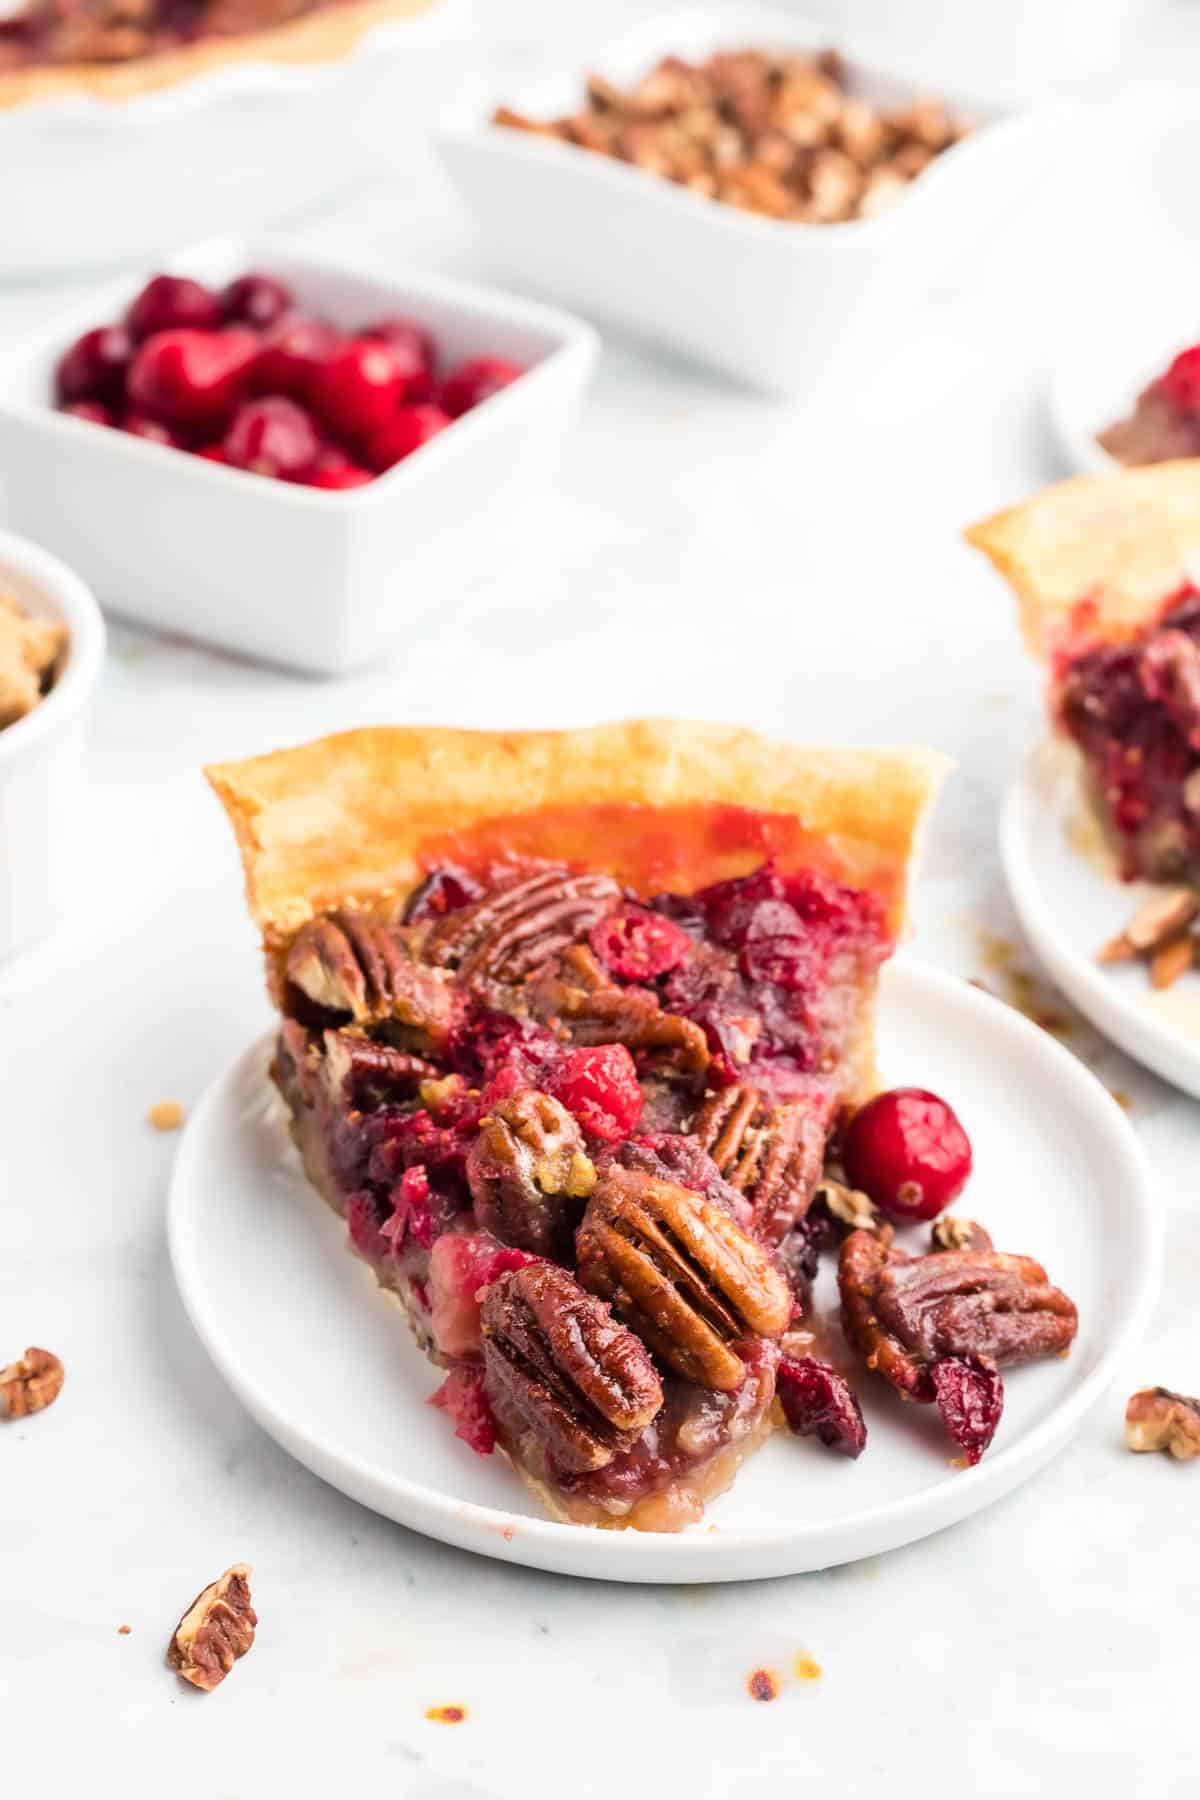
(1104, 365)
(1071, 900)
(324, 1361)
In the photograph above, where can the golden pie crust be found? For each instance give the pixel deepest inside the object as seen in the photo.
(325, 35)
(347, 818)
(1098, 555)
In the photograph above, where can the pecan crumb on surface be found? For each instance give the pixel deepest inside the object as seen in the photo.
(805, 1669)
(30, 1385)
(446, 1715)
(848, 1205)
(166, 1115)
(1158, 1419)
(217, 1629)
(124, 1630)
(950, 1233)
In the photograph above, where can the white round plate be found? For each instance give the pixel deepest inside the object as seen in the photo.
(1071, 900)
(1100, 372)
(324, 1362)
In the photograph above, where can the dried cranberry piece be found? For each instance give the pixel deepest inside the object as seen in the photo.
(464, 1398)
(818, 1402)
(461, 1265)
(444, 890)
(489, 1042)
(969, 1394)
(635, 945)
(600, 1086)
(412, 1215)
(907, 1151)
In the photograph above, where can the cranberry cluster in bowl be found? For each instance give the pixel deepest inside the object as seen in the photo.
(240, 375)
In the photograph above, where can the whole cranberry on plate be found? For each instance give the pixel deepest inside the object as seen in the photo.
(475, 381)
(95, 366)
(358, 387)
(256, 300)
(403, 433)
(272, 436)
(173, 303)
(908, 1153)
(191, 378)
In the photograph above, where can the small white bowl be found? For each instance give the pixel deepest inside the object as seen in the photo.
(41, 755)
(319, 581)
(108, 182)
(779, 304)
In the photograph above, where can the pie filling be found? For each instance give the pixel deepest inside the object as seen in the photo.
(578, 1135)
(1133, 709)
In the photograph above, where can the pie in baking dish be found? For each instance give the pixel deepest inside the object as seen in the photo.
(569, 1020)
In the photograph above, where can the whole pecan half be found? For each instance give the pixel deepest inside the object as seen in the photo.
(936, 1327)
(1157, 1419)
(360, 963)
(555, 1357)
(30, 1384)
(529, 1174)
(217, 1629)
(516, 929)
(772, 1153)
(682, 1272)
(363, 1074)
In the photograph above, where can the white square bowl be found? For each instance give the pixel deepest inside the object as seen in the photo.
(319, 581)
(779, 304)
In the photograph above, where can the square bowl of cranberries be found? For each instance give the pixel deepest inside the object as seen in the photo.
(277, 455)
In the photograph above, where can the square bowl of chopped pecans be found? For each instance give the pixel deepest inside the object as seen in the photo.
(727, 185)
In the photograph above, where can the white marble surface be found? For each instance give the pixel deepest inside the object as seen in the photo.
(706, 552)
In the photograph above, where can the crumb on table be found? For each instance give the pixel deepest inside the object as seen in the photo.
(166, 1115)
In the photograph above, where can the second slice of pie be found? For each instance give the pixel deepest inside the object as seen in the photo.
(567, 1022)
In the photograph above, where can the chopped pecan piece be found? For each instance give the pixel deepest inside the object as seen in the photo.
(629, 1016)
(572, 1374)
(216, 1629)
(360, 963)
(529, 1174)
(1161, 933)
(849, 1206)
(818, 1402)
(515, 930)
(1157, 1419)
(689, 1280)
(31, 1384)
(950, 1233)
(771, 1153)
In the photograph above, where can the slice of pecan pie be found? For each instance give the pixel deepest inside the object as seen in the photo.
(1103, 570)
(567, 1021)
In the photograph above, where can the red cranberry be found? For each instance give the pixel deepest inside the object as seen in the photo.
(638, 946)
(600, 1087)
(358, 387)
(336, 480)
(256, 300)
(173, 303)
(1181, 383)
(908, 1152)
(474, 381)
(95, 365)
(463, 1396)
(272, 437)
(405, 432)
(213, 453)
(413, 1215)
(416, 350)
(153, 430)
(191, 377)
(90, 410)
(290, 356)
